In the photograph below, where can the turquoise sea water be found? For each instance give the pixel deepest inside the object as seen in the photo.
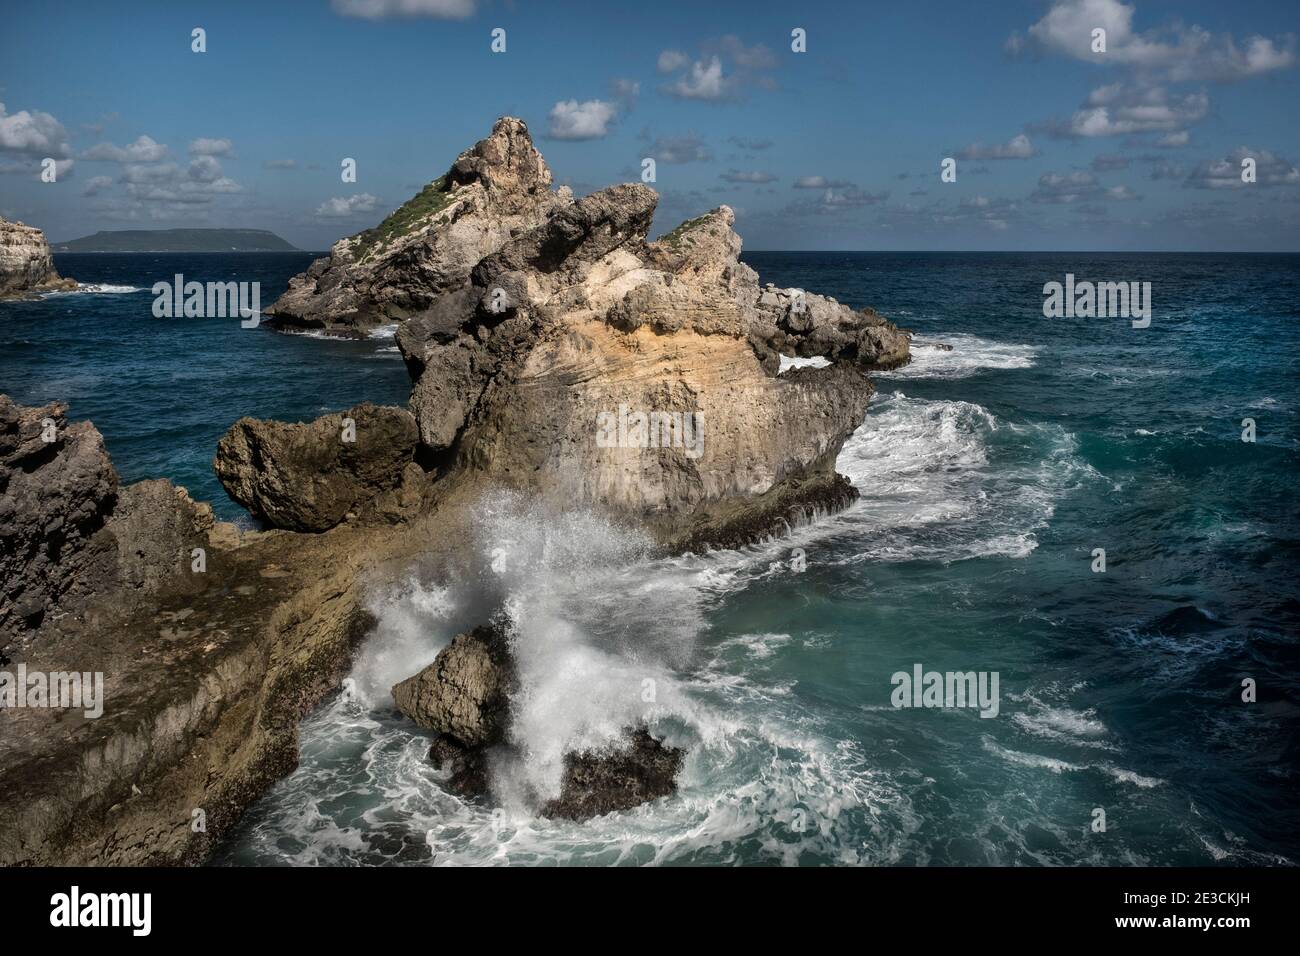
(988, 474)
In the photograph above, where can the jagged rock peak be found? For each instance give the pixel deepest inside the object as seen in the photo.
(506, 162)
(497, 189)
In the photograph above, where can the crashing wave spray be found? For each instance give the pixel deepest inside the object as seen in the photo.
(596, 635)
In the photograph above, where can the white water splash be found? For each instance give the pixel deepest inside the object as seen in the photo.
(969, 355)
(93, 288)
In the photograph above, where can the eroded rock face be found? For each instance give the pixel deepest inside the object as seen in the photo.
(68, 532)
(26, 264)
(593, 368)
(465, 693)
(57, 490)
(157, 527)
(309, 477)
(426, 248)
(555, 351)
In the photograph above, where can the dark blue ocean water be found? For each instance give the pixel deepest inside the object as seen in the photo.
(989, 474)
(162, 391)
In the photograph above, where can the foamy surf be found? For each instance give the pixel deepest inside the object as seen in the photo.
(94, 288)
(947, 480)
(597, 621)
(604, 638)
(969, 354)
(1059, 766)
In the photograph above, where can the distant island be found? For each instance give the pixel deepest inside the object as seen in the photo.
(177, 240)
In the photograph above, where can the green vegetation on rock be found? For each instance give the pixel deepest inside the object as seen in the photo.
(428, 202)
(679, 233)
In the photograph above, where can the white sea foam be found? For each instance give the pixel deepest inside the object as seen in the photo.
(969, 355)
(758, 646)
(1056, 765)
(815, 361)
(947, 480)
(593, 619)
(95, 288)
(1063, 725)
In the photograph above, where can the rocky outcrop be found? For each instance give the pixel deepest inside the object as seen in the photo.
(465, 693)
(26, 265)
(427, 247)
(464, 697)
(207, 670)
(310, 477)
(68, 532)
(57, 489)
(553, 349)
(576, 361)
(203, 693)
(590, 367)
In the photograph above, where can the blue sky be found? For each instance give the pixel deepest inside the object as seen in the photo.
(838, 147)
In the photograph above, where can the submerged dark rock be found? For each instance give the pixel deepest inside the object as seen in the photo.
(617, 778)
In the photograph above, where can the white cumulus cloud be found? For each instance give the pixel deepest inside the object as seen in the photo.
(143, 150)
(33, 134)
(211, 147)
(590, 119)
(378, 9)
(343, 206)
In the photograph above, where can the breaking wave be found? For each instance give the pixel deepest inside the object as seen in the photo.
(607, 637)
(93, 288)
(968, 355)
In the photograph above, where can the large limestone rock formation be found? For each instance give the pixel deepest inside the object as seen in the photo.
(559, 352)
(26, 264)
(428, 246)
(581, 326)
